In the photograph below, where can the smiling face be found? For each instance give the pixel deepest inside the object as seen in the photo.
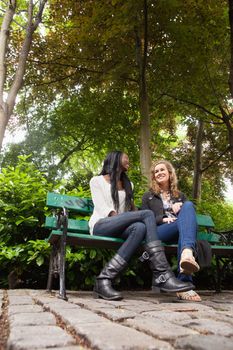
(124, 162)
(161, 175)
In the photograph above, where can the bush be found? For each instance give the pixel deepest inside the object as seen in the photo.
(221, 213)
(22, 209)
(23, 191)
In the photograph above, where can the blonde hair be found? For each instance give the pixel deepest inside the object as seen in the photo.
(173, 183)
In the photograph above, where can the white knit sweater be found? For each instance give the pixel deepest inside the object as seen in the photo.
(102, 199)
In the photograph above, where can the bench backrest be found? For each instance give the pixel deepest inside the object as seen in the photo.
(79, 226)
(73, 203)
(84, 206)
(205, 221)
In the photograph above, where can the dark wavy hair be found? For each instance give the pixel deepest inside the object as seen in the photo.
(112, 167)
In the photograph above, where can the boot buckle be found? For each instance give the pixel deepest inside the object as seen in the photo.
(161, 279)
(145, 256)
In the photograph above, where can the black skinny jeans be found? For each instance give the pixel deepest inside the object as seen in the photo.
(133, 226)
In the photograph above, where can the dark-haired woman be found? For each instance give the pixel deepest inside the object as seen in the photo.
(114, 216)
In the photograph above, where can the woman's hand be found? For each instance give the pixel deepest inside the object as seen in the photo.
(168, 220)
(112, 213)
(176, 207)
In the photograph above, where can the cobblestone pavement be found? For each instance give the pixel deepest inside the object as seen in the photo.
(142, 320)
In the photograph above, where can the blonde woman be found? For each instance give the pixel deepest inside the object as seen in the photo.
(176, 220)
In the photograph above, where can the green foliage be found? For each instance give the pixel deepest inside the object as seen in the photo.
(23, 191)
(221, 212)
(32, 251)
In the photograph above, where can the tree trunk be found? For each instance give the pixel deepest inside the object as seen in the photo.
(33, 20)
(145, 136)
(229, 124)
(197, 177)
(3, 123)
(230, 3)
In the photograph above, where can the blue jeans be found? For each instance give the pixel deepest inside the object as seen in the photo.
(133, 226)
(182, 231)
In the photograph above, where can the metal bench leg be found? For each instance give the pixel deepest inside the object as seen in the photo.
(219, 272)
(51, 265)
(62, 289)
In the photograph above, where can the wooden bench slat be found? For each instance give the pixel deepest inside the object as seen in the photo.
(77, 204)
(79, 226)
(210, 237)
(86, 240)
(205, 221)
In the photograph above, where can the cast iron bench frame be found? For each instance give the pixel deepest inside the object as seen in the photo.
(76, 233)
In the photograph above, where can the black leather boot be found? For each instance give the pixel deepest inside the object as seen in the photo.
(103, 284)
(163, 277)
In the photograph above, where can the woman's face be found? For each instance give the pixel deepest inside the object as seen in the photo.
(161, 174)
(125, 162)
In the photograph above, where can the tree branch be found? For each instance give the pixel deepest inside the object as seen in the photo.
(74, 149)
(193, 104)
(4, 35)
(216, 160)
(18, 79)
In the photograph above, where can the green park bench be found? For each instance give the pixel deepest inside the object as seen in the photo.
(75, 232)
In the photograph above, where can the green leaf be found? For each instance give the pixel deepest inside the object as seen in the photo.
(40, 260)
(92, 253)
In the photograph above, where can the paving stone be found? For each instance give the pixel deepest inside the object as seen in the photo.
(37, 337)
(78, 316)
(141, 306)
(20, 300)
(1, 301)
(15, 309)
(159, 328)
(113, 336)
(22, 292)
(220, 306)
(204, 342)
(206, 326)
(55, 301)
(116, 314)
(93, 302)
(171, 316)
(113, 312)
(75, 347)
(96, 302)
(33, 319)
(214, 315)
(184, 307)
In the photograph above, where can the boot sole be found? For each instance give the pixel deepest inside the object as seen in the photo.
(100, 296)
(186, 289)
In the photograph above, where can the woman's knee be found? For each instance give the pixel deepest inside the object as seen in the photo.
(188, 204)
(138, 229)
(147, 213)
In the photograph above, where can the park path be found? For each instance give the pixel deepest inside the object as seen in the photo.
(34, 319)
